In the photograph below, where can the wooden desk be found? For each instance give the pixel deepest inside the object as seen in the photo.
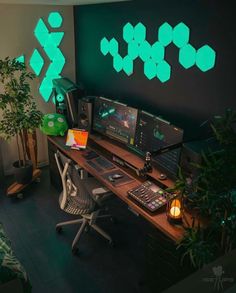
(107, 148)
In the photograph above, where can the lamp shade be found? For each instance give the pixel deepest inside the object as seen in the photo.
(175, 210)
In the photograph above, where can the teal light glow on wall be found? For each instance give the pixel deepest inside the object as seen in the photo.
(153, 55)
(49, 42)
(20, 58)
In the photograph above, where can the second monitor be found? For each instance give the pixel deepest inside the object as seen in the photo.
(115, 120)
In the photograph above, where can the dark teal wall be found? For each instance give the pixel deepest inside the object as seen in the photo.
(190, 96)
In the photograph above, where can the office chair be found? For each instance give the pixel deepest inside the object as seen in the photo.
(81, 196)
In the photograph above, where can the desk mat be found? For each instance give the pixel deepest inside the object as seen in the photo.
(120, 181)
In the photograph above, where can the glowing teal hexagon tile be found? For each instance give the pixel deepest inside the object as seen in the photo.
(187, 56)
(153, 55)
(157, 52)
(104, 46)
(165, 34)
(163, 71)
(150, 69)
(139, 33)
(49, 42)
(181, 35)
(128, 65)
(133, 49)
(118, 63)
(128, 32)
(205, 58)
(55, 19)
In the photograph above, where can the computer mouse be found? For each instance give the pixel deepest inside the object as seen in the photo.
(162, 176)
(117, 176)
(111, 179)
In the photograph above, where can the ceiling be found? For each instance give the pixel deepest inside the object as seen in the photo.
(58, 2)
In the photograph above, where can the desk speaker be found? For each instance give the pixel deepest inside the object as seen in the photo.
(85, 113)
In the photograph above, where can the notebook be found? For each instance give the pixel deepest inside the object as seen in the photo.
(77, 138)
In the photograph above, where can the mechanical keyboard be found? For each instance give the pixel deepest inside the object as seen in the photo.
(94, 166)
(150, 196)
(104, 163)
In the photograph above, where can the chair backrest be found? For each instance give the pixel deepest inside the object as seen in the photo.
(73, 185)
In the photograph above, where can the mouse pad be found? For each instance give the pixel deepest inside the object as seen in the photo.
(120, 181)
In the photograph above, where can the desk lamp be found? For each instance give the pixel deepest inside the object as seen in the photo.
(174, 210)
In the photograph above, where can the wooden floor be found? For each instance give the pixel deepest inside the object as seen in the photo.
(46, 256)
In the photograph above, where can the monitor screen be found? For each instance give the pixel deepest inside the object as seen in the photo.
(154, 133)
(115, 120)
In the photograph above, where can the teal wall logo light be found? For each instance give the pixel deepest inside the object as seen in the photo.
(153, 56)
(49, 42)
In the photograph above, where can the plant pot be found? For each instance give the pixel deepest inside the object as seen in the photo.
(23, 174)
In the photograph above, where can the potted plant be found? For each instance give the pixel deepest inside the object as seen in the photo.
(213, 197)
(19, 114)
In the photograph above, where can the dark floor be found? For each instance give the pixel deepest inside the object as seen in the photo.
(46, 256)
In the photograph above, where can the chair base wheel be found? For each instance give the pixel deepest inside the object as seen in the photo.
(111, 243)
(20, 195)
(86, 229)
(113, 220)
(58, 229)
(75, 251)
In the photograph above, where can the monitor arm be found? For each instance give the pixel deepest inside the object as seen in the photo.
(147, 168)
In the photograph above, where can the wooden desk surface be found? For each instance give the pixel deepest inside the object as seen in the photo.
(159, 219)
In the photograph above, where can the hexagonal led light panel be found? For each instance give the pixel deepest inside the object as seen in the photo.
(50, 42)
(104, 46)
(139, 33)
(133, 49)
(205, 58)
(150, 69)
(181, 35)
(118, 63)
(128, 32)
(163, 71)
(157, 52)
(145, 51)
(113, 47)
(187, 56)
(55, 19)
(153, 55)
(128, 65)
(165, 34)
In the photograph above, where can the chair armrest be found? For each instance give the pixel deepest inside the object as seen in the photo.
(100, 194)
(100, 191)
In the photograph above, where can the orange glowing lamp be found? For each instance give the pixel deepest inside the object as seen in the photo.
(174, 210)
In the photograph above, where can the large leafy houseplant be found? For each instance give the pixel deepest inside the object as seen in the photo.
(213, 196)
(19, 113)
